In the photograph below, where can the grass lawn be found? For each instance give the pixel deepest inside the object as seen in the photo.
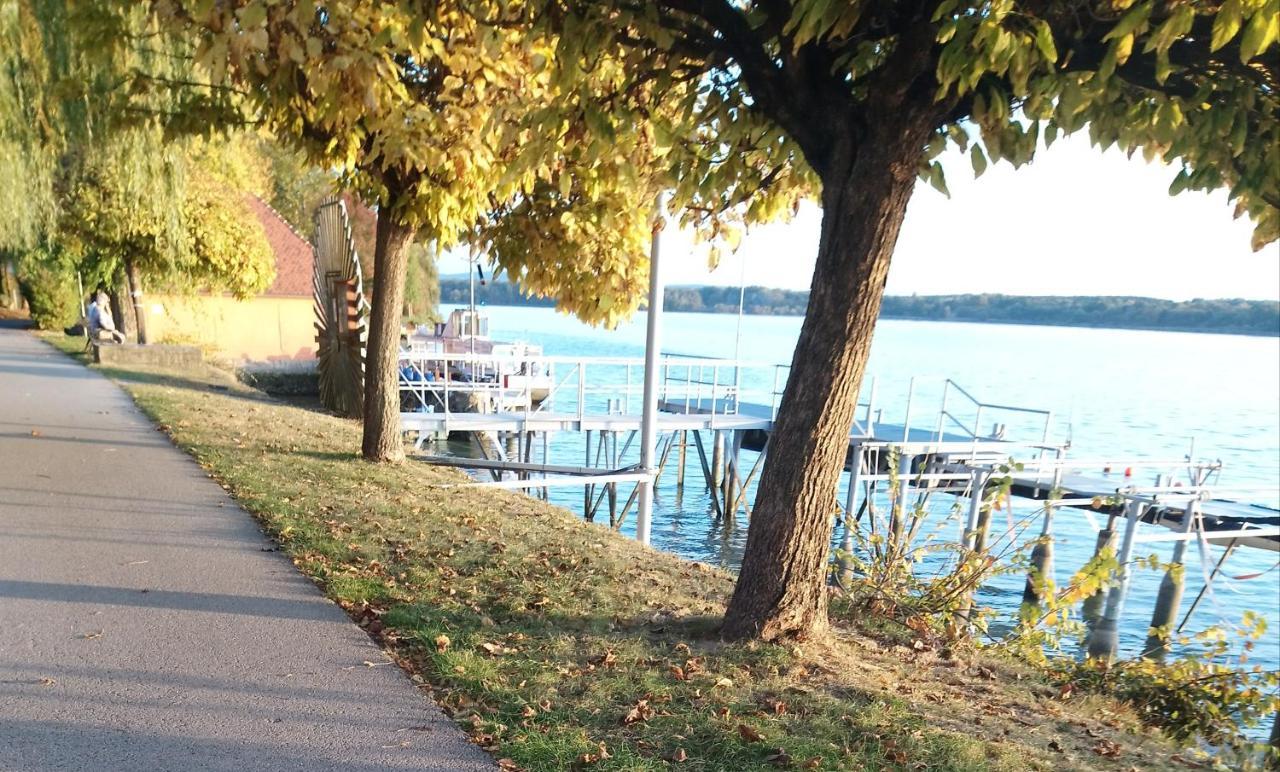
(558, 644)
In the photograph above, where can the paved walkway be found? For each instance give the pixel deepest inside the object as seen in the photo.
(144, 627)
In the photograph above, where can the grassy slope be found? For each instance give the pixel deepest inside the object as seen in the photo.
(560, 644)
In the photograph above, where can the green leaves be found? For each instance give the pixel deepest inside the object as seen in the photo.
(1263, 31)
(1227, 23)
(1044, 41)
(979, 160)
(1131, 21)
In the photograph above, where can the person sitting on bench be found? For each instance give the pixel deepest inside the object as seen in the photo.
(102, 328)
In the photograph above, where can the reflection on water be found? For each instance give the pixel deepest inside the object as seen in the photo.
(1115, 394)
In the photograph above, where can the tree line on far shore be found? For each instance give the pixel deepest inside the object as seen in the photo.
(1247, 317)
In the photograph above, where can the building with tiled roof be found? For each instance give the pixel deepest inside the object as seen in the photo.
(294, 260)
(275, 325)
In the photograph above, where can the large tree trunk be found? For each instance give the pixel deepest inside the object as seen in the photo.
(122, 311)
(382, 438)
(10, 297)
(781, 591)
(135, 296)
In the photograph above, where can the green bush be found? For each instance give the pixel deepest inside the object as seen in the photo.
(49, 286)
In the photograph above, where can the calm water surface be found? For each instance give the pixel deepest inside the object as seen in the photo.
(1115, 394)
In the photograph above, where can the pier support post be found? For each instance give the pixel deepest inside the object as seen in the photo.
(588, 513)
(1104, 639)
(1091, 609)
(717, 459)
(1165, 615)
(851, 495)
(732, 475)
(977, 510)
(1041, 574)
(684, 442)
(652, 351)
(1041, 570)
(898, 514)
(850, 502)
(706, 474)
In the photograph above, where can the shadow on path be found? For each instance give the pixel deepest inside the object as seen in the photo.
(208, 602)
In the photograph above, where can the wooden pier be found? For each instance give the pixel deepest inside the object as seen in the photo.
(734, 405)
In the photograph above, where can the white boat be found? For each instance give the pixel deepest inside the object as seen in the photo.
(511, 373)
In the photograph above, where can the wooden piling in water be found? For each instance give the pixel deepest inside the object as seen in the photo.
(1104, 638)
(975, 532)
(732, 449)
(717, 460)
(1041, 573)
(1091, 609)
(680, 460)
(587, 512)
(1165, 614)
(706, 472)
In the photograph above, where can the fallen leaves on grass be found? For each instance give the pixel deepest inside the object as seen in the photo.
(495, 649)
(779, 758)
(642, 711)
(749, 734)
(587, 759)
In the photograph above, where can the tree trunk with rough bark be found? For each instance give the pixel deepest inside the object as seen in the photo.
(121, 309)
(781, 591)
(382, 438)
(10, 297)
(135, 299)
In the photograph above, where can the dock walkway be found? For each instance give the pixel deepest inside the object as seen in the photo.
(145, 622)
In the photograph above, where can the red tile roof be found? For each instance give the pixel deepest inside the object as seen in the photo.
(294, 261)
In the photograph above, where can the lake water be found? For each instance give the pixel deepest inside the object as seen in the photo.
(1115, 393)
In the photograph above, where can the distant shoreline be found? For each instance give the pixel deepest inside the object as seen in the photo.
(1254, 318)
(1081, 326)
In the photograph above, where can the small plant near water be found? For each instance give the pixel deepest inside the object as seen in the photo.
(1209, 695)
(919, 587)
(902, 567)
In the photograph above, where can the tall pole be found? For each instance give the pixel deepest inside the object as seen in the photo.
(652, 346)
(737, 340)
(471, 307)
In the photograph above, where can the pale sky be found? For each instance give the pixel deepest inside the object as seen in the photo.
(1074, 222)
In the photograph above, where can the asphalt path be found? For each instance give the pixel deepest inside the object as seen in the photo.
(146, 625)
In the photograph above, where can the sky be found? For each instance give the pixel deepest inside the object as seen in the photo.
(1074, 222)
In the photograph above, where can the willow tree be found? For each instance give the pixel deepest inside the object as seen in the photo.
(95, 120)
(858, 100)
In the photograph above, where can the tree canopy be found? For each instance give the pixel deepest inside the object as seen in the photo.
(754, 104)
(545, 131)
(98, 142)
